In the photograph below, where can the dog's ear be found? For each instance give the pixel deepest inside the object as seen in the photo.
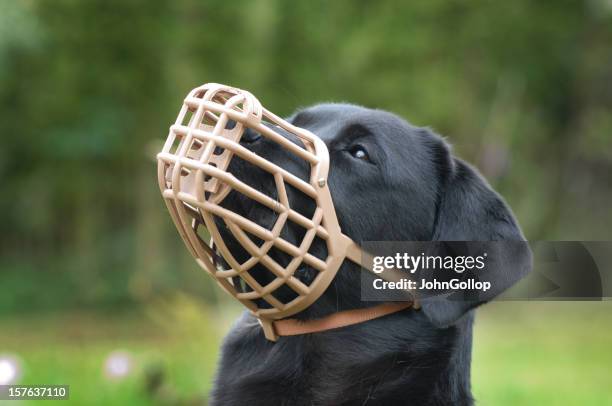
(469, 210)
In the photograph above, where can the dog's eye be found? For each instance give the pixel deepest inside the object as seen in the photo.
(359, 152)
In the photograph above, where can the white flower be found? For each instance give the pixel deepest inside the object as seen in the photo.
(118, 365)
(10, 369)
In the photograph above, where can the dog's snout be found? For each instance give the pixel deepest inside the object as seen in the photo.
(250, 136)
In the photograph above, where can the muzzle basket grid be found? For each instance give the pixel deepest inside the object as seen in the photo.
(194, 181)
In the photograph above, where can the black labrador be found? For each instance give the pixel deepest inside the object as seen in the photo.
(390, 181)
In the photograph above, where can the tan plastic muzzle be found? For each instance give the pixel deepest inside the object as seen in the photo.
(194, 181)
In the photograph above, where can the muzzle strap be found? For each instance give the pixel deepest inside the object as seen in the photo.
(292, 327)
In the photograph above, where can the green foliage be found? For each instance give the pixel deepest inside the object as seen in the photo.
(89, 88)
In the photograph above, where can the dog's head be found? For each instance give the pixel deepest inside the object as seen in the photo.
(390, 181)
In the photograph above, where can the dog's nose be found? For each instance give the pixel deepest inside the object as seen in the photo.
(250, 136)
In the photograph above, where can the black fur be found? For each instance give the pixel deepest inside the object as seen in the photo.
(412, 189)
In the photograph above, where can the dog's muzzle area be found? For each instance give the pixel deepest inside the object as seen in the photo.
(261, 180)
(248, 193)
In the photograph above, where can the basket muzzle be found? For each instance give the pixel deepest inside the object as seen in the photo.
(198, 185)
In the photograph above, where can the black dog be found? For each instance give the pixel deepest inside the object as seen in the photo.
(390, 181)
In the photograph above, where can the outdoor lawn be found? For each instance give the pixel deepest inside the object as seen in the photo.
(524, 353)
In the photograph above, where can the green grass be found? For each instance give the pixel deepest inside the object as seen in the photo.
(176, 336)
(524, 353)
(543, 353)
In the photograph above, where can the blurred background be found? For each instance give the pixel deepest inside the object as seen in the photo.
(97, 290)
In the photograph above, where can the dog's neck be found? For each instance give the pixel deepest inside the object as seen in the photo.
(396, 361)
(399, 359)
(446, 382)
